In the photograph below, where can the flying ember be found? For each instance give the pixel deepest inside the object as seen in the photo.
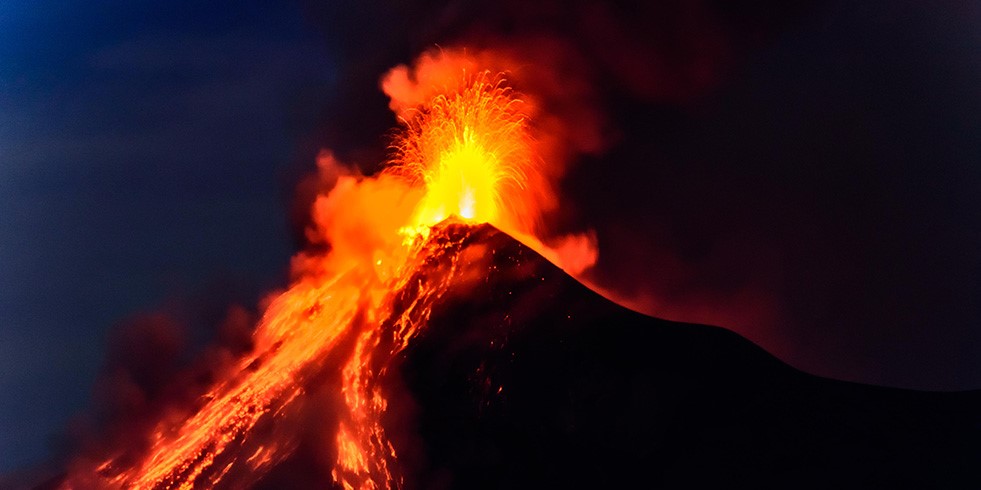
(464, 152)
(469, 149)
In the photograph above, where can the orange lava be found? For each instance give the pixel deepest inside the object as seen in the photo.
(464, 152)
(469, 150)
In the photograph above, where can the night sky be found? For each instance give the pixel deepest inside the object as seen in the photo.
(145, 153)
(805, 176)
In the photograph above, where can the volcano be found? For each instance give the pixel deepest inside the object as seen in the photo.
(434, 335)
(525, 378)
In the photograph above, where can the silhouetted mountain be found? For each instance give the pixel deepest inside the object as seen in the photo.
(524, 378)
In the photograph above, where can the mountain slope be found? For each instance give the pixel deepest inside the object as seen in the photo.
(525, 378)
(521, 377)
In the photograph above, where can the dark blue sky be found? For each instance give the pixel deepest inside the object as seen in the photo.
(145, 151)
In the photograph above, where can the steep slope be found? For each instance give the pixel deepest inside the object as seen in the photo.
(525, 378)
(498, 370)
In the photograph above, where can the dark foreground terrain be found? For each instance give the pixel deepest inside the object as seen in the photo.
(525, 378)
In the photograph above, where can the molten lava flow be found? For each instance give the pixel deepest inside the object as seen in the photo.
(467, 149)
(464, 152)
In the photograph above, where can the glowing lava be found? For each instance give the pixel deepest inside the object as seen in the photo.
(465, 152)
(469, 149)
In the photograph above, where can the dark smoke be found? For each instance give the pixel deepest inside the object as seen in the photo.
(158, 365)
(800, 172)
(612, 80)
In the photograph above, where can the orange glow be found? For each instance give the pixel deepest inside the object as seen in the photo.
(468, 149)
(463, 151)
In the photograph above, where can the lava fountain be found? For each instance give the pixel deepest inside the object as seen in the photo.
(464, 153)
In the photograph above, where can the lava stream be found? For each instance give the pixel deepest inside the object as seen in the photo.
(464, 152)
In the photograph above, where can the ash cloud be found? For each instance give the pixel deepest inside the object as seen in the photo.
(797, 172)
(604, 80)
(158, 365)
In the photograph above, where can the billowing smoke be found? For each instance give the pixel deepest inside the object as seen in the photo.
(794, 171)
(605, 82)
(157, 366)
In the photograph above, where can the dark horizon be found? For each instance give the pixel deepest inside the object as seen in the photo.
(804, 176)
